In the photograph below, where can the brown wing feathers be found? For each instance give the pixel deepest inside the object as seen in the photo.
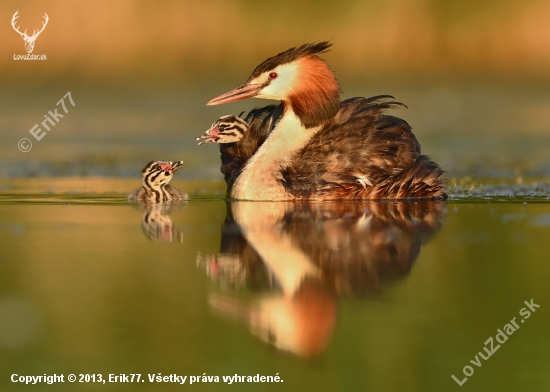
(363, 153)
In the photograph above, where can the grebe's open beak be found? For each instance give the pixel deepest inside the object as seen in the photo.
(210, 136)
(175, 166)
(242, 92)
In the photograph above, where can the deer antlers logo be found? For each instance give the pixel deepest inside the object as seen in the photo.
(29, 41)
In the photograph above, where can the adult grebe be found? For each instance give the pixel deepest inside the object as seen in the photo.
(322, 148)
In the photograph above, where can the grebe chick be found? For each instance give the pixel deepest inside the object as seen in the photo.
(156, 176)
(247, 136)
(228, 129)
(322, 148)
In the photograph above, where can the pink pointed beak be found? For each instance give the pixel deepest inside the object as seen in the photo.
(241, 92)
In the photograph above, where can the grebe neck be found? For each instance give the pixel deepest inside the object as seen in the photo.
(152, 186)
(260, 178)
(159, 190)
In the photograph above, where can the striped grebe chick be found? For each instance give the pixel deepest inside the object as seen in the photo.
(227, 129)
(241, 137)
(321, 148)
(155, 178)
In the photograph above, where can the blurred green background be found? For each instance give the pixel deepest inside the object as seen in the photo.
(474, 76)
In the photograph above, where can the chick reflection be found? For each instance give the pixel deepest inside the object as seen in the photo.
(306, 255)
(156, 223)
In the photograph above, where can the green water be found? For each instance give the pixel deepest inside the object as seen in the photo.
(352, 296)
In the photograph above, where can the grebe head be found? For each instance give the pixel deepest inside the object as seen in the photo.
(228, 129)
(157, 174)
(301, 324)
(299, 78)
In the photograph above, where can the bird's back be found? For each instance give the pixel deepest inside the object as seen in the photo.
(144, 195)
(363, 153)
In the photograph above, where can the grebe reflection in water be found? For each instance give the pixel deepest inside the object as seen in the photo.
(301, 257)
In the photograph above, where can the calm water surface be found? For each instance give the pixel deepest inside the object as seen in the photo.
(331, 296)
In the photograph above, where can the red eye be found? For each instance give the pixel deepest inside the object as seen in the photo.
(273, 75)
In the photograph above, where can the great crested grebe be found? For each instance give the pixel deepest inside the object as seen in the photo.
(227, 129)
(156, 176)
(321, 148)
